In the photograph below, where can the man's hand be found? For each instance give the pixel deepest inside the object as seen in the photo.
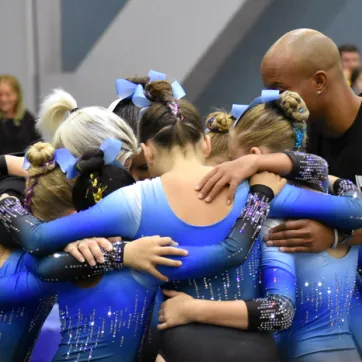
(301, 236)
(230, 173)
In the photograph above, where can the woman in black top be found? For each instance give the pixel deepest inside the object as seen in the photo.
(17, 129)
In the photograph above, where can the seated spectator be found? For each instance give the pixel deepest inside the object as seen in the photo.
(17, 130)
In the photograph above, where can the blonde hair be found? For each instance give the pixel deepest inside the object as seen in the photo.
(217, 127)
(48, 191)
(83, 130)
(274, 124)
(16, 87)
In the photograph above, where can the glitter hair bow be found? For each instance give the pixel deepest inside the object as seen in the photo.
(266, 96)
(141, 101)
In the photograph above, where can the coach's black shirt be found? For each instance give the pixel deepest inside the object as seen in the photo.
(343, 154)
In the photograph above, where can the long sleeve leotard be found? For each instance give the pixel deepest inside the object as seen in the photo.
(25, 302)
(320, 329)
(116, 215)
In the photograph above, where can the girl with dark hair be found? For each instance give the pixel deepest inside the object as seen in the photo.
(124, 108)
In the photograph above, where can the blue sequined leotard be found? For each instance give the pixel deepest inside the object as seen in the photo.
(103, 322)
(25, 302)
(325, 284)
(356, 308)
(323, 298)
(131, 211)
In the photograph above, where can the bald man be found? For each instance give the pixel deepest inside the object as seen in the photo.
(308, 62)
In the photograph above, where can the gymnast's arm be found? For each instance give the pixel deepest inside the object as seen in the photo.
(201, 261)
(12, 165)
(339, 212)
(13, 186)
(275, 311)
(23, 288)
(114, 216)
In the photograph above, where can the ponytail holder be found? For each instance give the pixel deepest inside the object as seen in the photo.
(266, 96)
(299, 136)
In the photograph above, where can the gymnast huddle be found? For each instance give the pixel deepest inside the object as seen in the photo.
(115, 224)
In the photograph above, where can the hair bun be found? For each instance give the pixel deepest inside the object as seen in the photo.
(91, 163)
(40, 153)
(90, 189)
(219, 122)
(293, 106)
(159, 91)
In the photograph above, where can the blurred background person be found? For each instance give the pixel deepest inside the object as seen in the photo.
(17, 130)
(350, 58)
(356, 80)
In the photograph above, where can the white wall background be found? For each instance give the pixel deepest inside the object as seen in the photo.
(214, 47)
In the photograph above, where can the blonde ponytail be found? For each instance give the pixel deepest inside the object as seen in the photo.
(53, 112)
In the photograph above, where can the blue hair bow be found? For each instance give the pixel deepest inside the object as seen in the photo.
(266, 96)
(67, 162)
(110, 147)
(126, 88)
(62, 157)
(237, 110)
(140, 100)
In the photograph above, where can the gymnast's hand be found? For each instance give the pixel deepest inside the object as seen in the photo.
(301, 236)
(146, 253)
(230, 174)
(176, 311)
(90, 250)
(5, 196)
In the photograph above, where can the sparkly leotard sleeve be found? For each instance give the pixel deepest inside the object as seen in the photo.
(275, 311)
(115, 215)
(23, 287)
(201, 260)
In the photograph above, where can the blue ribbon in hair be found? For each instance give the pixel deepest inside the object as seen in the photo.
(67, 162)
(126, 88)
(141, 101)
(267, 95)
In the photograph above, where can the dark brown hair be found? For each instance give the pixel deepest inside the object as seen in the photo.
(97, 180)
(169, 122)
(348, 48)
(355, 75)
(127, 110)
